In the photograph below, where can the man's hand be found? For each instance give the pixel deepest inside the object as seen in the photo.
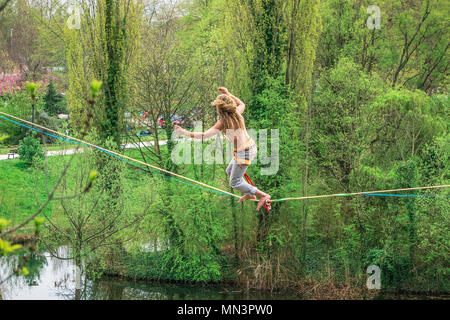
(240, 105)
(224, 90)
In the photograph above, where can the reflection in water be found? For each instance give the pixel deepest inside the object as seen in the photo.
(49, 278)
(54, 279)
(116, 289)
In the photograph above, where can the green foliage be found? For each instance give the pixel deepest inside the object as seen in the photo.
(95, 87)
(18, 105)
(357, 110)
(339, 112)
(32, 88)
(409, 49)
(402, 122)
(3, 223)
(6, 248)
(93, 175)
(113, 58)
(30, 149)
(335, 41)
(38, 222)
(53, 103)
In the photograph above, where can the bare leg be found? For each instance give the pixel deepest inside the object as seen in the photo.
(263, 197)
(236, 173)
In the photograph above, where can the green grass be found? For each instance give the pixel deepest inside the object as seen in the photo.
(21, 191)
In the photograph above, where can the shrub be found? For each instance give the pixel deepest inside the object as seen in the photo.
(30, 148)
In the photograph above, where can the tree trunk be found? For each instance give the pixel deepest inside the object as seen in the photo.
(78, 278)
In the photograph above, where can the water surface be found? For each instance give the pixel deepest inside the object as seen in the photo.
(54, 279)
(51, 278)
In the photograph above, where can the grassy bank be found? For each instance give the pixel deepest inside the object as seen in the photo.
(21, 191)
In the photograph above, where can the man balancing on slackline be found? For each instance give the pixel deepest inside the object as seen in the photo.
(232, 124)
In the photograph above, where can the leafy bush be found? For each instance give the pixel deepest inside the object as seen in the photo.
(30, 149)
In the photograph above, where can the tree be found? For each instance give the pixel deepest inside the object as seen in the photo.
(339, 109)
(89, 225)
(52, 100)
(110, 30)
(402, 122)
(410, 48)
(165, 80)
(105, 48)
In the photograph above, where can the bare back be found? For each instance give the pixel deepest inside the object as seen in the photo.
(239, 135)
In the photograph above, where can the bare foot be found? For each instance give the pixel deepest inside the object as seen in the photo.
(262, 201)
(247, 197)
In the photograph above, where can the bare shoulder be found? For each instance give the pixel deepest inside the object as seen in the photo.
(241, 116)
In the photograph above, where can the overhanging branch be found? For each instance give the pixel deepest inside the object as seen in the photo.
(3, 6)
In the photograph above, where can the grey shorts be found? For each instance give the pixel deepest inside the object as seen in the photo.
(237, 170)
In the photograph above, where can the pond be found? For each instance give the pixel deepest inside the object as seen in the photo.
(54, 279)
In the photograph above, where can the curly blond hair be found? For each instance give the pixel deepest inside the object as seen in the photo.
(227, 110)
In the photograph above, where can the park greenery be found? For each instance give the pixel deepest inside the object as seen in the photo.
(357, 109)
